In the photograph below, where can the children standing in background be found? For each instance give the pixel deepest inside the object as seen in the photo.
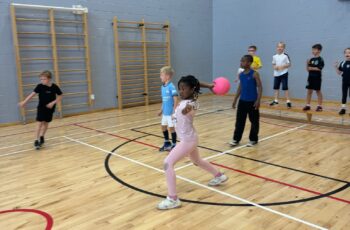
(249, 93)
(343, 69)
(169, 103)
(256, 65)
(189, 88)
(47, 92)
(281, 63)
(314, 66)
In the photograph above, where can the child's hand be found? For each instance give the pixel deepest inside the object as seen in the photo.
(160, 113)
(234, 105)
(21, 104)
(211, 86)
(236, 80)
(50, 105)
(257, 105)
(187, 109)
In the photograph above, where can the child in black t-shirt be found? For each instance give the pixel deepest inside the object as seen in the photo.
(343, 69)
(314, 66)
(47, 92)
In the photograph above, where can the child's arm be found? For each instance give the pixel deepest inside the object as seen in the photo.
(239, 71)
(282, 67)
(238, 94)
(275, 67)
(285, 66)
(52, 103)
(25, 101)
(273, 63)
(161, 110)
(316, 68)
(259, 85)
(336, 66)
(307, 65)
(206, 85)
(313, 69)
(175, 102)
(187, 109)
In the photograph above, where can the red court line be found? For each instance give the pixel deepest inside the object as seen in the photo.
(48, 217)
(223, 166)
(279, 182)
(59, 126)
(31, 131)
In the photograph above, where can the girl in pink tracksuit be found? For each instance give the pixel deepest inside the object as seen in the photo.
(189, 88)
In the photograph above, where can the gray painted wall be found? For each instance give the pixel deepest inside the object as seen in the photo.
(207, 40)
(238, 24)
(191, 43)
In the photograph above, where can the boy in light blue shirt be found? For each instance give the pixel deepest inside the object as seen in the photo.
(169, 103)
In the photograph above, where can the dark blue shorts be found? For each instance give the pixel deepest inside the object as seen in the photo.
(283, 79)
(314, 83)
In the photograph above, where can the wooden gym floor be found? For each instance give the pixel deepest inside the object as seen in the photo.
(103, 171)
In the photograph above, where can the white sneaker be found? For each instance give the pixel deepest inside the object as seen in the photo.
(218, 180)
(252, 143)
(234, 143)
(169, 203)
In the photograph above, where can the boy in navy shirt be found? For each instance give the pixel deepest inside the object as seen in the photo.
(169, 103)
(314, 66)
(47, 92)
(343, 69)
(249, 93)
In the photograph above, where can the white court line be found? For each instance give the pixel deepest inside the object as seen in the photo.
(243, 146)
(89, 131)
(116, 131)
(62, 142)
(77, 133)
(204, 186)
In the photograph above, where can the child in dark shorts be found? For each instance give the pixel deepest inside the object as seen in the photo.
(47, 92)
(343, 70)
(314, 66)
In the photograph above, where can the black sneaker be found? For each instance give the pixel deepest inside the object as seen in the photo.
(274, 103)
(319, 109)
(289, 105)
(36, 144)
(166, 147)
(306, 108)
(42, 140)
(342, 111)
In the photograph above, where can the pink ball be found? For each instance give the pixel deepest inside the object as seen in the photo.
(221, 86)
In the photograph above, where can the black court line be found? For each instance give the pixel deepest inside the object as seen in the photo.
(109, 171)
(252, 159)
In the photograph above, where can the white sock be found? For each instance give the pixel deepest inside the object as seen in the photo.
(288, 101)
(307, 104)
(343, 106)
